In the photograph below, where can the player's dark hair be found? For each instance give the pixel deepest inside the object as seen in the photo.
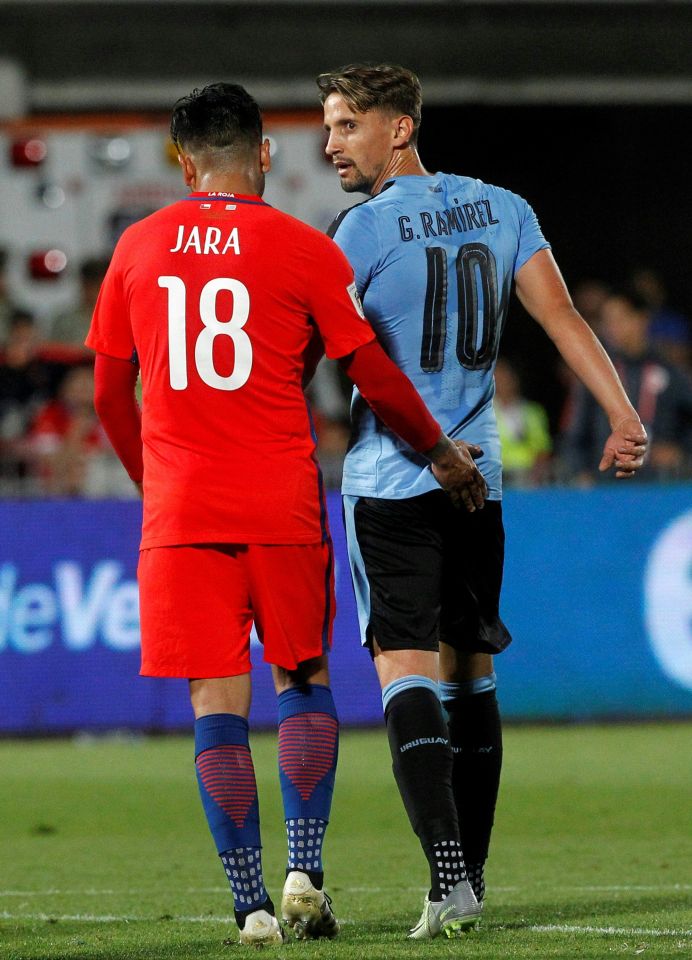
(93, 268)
(382, 86)
(631, 296)
(220, 116)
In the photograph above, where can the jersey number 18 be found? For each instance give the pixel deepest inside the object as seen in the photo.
(213, 328)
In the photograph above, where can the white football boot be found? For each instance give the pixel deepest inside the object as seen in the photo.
(261, 929)
(306, 910)
(452, 916)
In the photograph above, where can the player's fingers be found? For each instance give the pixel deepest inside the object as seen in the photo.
(478, 496)
(628, 466)
(467, 500)
(630, 452)
(638, 436)
(606, 461)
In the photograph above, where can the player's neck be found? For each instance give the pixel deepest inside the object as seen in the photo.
(404, 163)
(239, 183)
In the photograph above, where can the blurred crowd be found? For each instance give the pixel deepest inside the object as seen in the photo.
(51, 443)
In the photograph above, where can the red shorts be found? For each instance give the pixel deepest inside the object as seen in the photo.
(197, 605)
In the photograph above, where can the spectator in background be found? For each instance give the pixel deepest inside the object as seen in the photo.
(588, 297)
(669, 330)
(7, 308)
(660, 391)
(66, 435)
(523, 428)
(71, 327)
(26, 381)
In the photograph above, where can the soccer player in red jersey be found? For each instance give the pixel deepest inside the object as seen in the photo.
(225, 304)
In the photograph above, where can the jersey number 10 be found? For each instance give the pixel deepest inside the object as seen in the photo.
(476, 276)
(213, 328)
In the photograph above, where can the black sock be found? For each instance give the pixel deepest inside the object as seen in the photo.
(316, 876)
(422, 764)
(475, 734)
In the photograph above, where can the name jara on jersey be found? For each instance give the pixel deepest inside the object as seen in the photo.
(190, 240)
(459, 219)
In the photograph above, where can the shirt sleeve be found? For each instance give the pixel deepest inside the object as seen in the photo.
(111, 332)
(355, 232)
(334, 304)
(531, 238)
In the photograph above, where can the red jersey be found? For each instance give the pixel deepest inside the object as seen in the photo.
(219, 298)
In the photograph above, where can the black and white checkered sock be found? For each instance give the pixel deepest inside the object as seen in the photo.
(475, 872)
(449, 868)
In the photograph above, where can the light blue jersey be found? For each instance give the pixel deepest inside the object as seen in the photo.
(434, 259)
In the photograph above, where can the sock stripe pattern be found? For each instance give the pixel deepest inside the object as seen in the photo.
(228, 775)
(307, 734)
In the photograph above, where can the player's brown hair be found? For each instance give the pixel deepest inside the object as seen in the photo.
(382, 86)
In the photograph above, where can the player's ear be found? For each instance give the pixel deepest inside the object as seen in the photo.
(403, 130)
(188, 168)
(265, 156)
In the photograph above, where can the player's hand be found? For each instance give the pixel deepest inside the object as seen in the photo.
(454, 469)
(625, 448)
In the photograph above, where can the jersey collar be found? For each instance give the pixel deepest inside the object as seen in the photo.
(226, 197)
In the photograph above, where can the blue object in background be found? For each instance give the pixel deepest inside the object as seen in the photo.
(598, 596)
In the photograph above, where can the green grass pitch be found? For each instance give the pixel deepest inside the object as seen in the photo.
(104, 852)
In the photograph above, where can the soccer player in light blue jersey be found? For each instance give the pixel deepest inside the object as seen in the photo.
(435, 258)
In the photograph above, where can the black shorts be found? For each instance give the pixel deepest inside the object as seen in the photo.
(426, 571)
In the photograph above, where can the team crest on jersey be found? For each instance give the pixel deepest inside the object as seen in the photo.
(355, 297)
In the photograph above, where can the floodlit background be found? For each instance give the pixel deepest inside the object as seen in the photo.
(584, 108)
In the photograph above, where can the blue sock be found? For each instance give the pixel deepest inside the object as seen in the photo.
(227, 786)
(308, 749)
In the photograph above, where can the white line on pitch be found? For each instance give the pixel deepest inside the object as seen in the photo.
(122, 918)
(615, 931)
(108, 918)
(535, 928)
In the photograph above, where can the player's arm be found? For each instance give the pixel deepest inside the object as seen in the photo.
(118, 410)
(543, 293)
(394, 399)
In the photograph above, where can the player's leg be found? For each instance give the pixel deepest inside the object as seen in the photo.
(475, 734)
(227, 786)
(308, 750)
(395, 555)
(471, 631)
(293, 598)
(196, 622)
